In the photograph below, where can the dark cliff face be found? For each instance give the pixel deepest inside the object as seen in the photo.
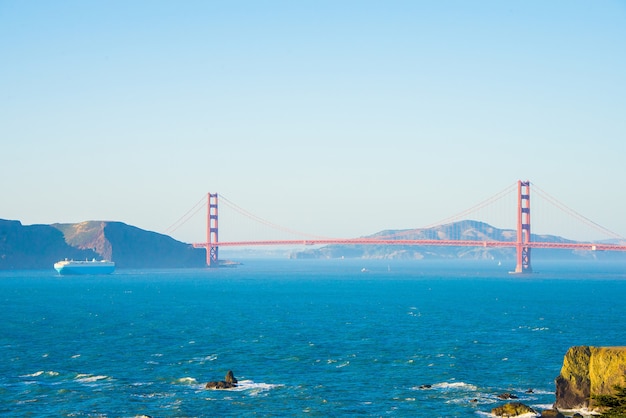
(34, 246)
(137, 248)
(40, 246)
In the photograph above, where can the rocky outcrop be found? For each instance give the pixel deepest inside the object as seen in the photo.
(512, 409)
(229, 382)
(588, 372)
(507, 395)
(551, 413)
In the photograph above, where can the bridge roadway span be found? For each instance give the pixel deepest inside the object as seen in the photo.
(425, 242)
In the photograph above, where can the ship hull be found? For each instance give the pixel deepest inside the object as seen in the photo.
(84, 267)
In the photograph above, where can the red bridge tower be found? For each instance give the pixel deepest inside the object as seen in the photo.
(211, 231)
(523, 228)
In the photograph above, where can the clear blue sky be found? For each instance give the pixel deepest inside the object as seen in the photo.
(339, 118)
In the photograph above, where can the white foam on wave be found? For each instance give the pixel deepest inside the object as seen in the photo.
(202, 360)
(583, 411)
(186, 381)
(89, 378)
(459, 393)
(454, 386)
(253, 387)
(41, 372)
(533, 328)
(542, 392)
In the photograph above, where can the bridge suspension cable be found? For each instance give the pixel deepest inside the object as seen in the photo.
(523, 245)
(504, 192)
(265, 222)
(508, 190)
(559, 205)
(187, 216)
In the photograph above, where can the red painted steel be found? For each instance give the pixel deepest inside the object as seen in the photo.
(440, 243)
(523, 228)
(523, 243)
(212, 240)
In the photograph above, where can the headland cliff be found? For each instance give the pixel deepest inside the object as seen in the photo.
(590, 375)
(40, 246)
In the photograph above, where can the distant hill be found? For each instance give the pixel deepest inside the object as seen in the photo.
(467, 230)
(40, 246)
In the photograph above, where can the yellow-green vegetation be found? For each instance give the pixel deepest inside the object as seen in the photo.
(607, 369)
(589, 378)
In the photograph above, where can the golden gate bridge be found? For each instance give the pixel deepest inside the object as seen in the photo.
(522, 241)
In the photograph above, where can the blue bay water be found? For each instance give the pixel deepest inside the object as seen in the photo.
(305, 338)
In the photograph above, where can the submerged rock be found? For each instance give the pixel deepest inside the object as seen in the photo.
(588, 372)
(229, 382)
(512, 409)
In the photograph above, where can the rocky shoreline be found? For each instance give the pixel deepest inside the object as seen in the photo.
(592, 382)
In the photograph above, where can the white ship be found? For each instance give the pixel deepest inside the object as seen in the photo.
(66, 267)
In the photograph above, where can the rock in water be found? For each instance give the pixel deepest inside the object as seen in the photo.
(512, 409)
(229, 382)
(230, 377)
(587, 372)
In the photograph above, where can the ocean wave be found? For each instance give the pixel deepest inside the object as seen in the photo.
(40, 373)
(454, 386)
(186, 381)
(524, 392)
(543, 392)
(89, 378)
(534, 329)
(153, 395)
(254, 387)
(583, 411)
(543, 406)
(202, 360)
